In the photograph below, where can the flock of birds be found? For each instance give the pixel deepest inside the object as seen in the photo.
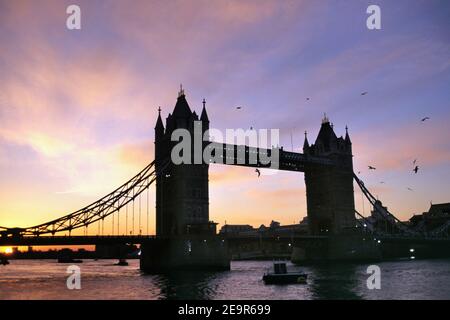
(414, 163)
(415, 170)
(415, 166)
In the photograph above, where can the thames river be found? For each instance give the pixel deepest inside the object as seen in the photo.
(46, 279)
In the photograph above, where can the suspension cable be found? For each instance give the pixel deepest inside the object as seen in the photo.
(101, 208)
(382, 212)
(112, 226)
(98, 209)
(140, 231)
(148, 223)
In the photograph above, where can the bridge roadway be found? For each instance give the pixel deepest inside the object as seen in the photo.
(73, 240)
(136, 239)
(243, 155)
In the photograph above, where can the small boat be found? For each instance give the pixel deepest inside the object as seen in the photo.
(281, 276)
(122, 262)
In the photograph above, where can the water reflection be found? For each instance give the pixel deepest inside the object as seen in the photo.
(46, 279)
(187, 285)
(325, 281)
(335, 281)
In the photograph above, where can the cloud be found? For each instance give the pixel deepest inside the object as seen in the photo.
(137, 155)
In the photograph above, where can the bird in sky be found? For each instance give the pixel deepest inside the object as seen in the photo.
(238, 108)
(414, 162)
(410, 189)
(364, 93)
(251, 128)
(371, 168)
(359, 172)
(425, 119)
(258, 172)
(416, 168)
(307, 99)
(382, 182)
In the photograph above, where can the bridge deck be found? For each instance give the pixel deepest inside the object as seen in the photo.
(73, 240)
(242, 155)
(93, 240)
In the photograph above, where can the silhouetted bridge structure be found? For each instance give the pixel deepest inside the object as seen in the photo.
(185, 236)
(139, 239)
(74, 240)
(96, 240)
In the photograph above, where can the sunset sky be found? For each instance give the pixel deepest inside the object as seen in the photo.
(78, 107)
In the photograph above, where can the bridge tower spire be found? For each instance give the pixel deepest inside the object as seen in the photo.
(204, 117)
(348, 142)
(306, 143)
(181, 92)
(347, 136)
(159, 128)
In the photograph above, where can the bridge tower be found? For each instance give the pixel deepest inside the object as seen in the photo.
(329, 190)
(182, 200)
(186, 238)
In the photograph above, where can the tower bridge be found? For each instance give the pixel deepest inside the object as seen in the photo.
(185, 235)
(327, 165)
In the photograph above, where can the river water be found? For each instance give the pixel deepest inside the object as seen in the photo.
(46, 279)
